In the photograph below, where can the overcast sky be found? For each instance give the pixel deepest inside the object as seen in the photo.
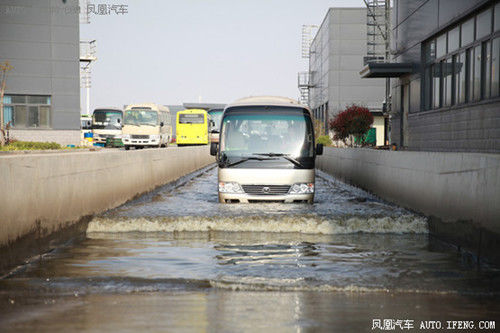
(175, 51)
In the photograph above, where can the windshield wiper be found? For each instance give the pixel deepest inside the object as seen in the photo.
(244, 159)
(285, 156)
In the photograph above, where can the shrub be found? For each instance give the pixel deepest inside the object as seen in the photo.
(324, 140)
(355, 120)
(29, 145)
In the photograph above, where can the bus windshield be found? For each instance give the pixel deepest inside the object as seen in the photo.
(191, 118)
(216, 117)
(140, 117)
(267, 131)
(106, 119)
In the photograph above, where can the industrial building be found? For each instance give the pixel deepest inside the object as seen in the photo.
(445, 69)
(40, 40)
(337, 53)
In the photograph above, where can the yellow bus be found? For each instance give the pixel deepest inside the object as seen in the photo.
(191, 127)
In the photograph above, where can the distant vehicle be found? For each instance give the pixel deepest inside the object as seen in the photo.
(215, 117)
(107, 124)
(146, 125)
(192, 127)
(266, 151)
(85, 123)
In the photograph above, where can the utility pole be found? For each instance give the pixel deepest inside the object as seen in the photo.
(5, 67)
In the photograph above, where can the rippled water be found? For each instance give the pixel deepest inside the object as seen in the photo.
(180, 240)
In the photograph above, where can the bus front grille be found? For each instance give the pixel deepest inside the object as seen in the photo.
(266, 189)
(135, 136)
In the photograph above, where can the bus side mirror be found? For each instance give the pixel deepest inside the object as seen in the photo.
(213, 148)
(118, 120)
(212, 123)
(88, 124)
(161, 124)
(319, 149)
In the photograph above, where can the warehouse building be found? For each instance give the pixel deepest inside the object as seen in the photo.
(337, 53)
(40, 40)
(445, 91)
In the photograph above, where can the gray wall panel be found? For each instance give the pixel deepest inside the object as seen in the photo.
(65, 120)
(450, 10)
(28, 85)
(65, 86)
(16, 12)
(24, 50)
(24, 33)
(64, 51)
(31, 68)
(404, 9)
(64, 34)
(65, 69)
(419, 25)
(65, 102)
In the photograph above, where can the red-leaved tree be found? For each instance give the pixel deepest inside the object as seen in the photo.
(355, 120)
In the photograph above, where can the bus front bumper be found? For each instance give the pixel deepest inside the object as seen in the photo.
(127, 141)
(247, 198)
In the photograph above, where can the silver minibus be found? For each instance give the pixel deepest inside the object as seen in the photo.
(266, 151)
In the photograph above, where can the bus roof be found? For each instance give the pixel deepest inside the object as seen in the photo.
(267, 100)
(108, 108)
(152, 106)
(192, 111)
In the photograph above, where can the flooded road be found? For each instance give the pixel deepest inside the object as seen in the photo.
(176, 260)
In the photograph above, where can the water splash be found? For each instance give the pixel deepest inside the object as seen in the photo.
(307, 224)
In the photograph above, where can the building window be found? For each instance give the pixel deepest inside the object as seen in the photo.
(436, 84)
(454, 39)
(462, 64)
(496, 25)
(27, 111)
(467, 32)
(447, 82)
(487, 69)
(469, 75)
(441, 46)
(483, 24)
(495, 67)
(476, 74)
(427, 91)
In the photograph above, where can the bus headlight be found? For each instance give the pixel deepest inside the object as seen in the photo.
(230, 187)
(126, 136)
(154, 137)
(302, 188)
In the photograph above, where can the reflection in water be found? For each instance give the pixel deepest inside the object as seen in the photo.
(260, 261)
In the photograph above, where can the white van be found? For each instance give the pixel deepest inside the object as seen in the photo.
(107, 124)
(146, 125)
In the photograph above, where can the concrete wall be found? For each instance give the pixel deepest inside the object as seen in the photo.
(452, 186)
(63, 137)
(52, 191)
(449, 187)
